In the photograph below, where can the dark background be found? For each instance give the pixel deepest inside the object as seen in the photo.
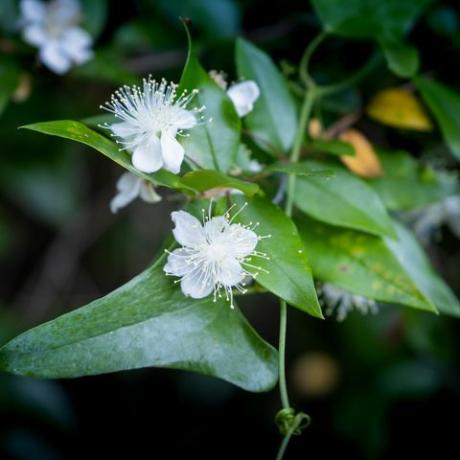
(385, 386)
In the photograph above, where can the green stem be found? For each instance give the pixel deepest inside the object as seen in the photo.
(283, 447)
(282, 354)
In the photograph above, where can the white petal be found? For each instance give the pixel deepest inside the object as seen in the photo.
(172, 152)
(34, 35)
(188, 231)
(123, 129)
(52, 56)
(193, 286)
(66, 10)
(148, 193)
(231, 273)
(76, 42)
(147, 156)
(33, 10)
(215, 227)
(185, 120)
(178, 263)
(128, 187)
(243, 241)
(243, 96)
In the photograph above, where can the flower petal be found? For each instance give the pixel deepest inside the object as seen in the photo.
(172, 152)
(215, 227)
(195, 286)
(52, 56)
(147, 156)
(185, 120)
(230, 272)
(75, 43)
(243, 96)
(33, 10)
(128, 186)
(188, 231)
(244, 241)
(148, 193)
(34, 35)
(123, 129)
(178, 263)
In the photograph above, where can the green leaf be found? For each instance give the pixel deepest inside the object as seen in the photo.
(445, 105)
(286, 273)
(146, 322)
(215, 143)
(78, 132)
(203, 180)
(360, 263)
(332, 147)
(406, 184)
(414, 260)
(273, 121)
(402, 59)
(343, 200)
(94, 15)
(300, 169)
(387, 22)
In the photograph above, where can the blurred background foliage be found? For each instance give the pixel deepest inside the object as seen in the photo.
(383, 386)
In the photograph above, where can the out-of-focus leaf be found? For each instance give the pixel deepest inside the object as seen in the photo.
(217, 19)
(8, 15)
(273, 121)
(408, 185)
(416, 264)
(203, 180)
(10, 76)
(78, 132)
(94, 15)
(365, 162)
(300, 169)
(399, 108)
(286, 272)
(444, 103)
(444, 21)
(387, 22)
(215, 143)
(343, 200)
(360, 263)
(146, 322)
(333, 147)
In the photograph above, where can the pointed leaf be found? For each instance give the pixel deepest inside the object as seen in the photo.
(273, 121)
(146, 322)
(286, 273)
(360, 263)
(343, 200)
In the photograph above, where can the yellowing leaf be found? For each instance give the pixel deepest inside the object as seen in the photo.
(399, 108)
(365, 163)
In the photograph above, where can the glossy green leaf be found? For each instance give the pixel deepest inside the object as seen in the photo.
(332, 147)
(300, 169)
(203, 180)
(286, 273)
(407, 185)
(402, 59)
(360, 263)
(146, 322)
(273, 121)
(414, 260)
(444, 103)
(344, 200)
(215, 143)
(78, 132)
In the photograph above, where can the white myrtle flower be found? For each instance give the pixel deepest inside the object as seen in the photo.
(427, 221)
(243, 94)
(215, 254)
(129, 187)
(52, 28)
(341, 302)
(152, 116)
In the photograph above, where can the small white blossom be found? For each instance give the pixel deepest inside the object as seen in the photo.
(152, 117)
(243, 94)
(52, 27)
(129, 187)
(427, 221)
(215, 255)
(341, 302)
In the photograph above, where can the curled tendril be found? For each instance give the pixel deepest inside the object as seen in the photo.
(290, 423)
